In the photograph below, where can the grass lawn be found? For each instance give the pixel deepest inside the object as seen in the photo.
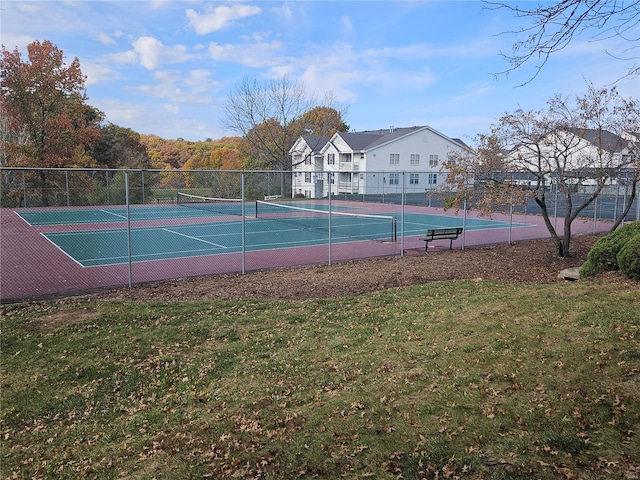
(472, 380)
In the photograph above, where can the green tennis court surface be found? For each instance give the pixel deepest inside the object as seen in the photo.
(110, 214)
(100, 246)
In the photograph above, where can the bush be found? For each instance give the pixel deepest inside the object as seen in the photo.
(603, 255)
(629, 258)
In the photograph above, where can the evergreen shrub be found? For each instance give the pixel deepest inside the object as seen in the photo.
(629, 258)
(603, 255)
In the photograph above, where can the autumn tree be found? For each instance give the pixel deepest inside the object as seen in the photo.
(120, 147)
(47, 121)
(575, 148)
(553, 26)
(322, 121)
(49, 124)
(205, 169)
(270, 116)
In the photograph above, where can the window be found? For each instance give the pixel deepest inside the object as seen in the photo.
(307, 160)
(394, 178)
(307, 177)
(433, 178)
(331, 158)
(433, 160)
(414, 179)
(394, 159)
(415, 159)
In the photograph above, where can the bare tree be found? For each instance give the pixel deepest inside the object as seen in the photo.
(271, 115)
(264, 114)
(554, 26)
(578, 148)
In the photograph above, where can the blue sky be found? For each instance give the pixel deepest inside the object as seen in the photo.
(167, 67)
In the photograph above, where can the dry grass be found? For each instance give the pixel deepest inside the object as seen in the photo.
(465, 379)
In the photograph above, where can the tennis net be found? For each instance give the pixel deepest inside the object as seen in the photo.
(225, 206)
(355, 225)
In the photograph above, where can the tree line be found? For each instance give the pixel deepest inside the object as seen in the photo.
(47, 122)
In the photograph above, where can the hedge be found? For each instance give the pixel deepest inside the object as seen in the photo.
(603, 255)
(629, 258)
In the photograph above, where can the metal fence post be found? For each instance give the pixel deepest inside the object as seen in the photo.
(244, 246)
(24, 190)
(329, 178)
(66, 180)
(126, 188)
(404, 201)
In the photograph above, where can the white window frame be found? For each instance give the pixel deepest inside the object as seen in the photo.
(331, 158)
(394, 159)
(433, 160)
(415, 159)
(414, 179)
(307, 177)
(433, 179)
(394, 179)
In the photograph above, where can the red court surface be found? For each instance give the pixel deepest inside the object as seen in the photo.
(32, 267)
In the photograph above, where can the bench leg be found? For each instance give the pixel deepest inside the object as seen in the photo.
(451, 244)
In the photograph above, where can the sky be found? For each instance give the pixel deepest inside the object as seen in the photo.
(167, 67)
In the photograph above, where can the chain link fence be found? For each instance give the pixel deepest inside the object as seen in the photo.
(66, 231)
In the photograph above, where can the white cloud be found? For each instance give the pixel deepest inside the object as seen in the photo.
(219, 18)
(27, 7)
(156, 119)
(174, 109)
(178, 89)
(120, 112)
(98, 73)
(128, 57)
(347, 25)
(11, 41)
(475, 93)
(105, 39)
(253, 55)
(152, 53)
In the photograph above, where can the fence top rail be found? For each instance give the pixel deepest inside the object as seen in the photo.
(152, 170)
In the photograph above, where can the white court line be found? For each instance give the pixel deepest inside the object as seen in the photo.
(62, 250)
(114, 214)
(195, 238)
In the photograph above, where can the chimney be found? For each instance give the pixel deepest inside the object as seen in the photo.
(391, 129)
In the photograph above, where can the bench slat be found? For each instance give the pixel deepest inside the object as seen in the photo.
(441, 234)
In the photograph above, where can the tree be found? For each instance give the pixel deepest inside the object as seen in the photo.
(46, 121)
(270, 116)
(578, 148)
(120, 147)
(554, 26)
(322, 121)
(44, 102)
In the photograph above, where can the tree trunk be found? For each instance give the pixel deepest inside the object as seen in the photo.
(559, 242)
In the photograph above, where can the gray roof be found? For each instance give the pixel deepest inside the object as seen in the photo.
(604, 139)
(315, 142)
(369, 139)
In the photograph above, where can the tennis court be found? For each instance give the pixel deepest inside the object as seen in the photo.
(273, 229)
(75, 249)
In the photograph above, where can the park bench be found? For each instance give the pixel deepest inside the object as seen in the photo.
(441, 234)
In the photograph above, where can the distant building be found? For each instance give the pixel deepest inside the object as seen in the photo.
(583, 157)
(371, 161)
